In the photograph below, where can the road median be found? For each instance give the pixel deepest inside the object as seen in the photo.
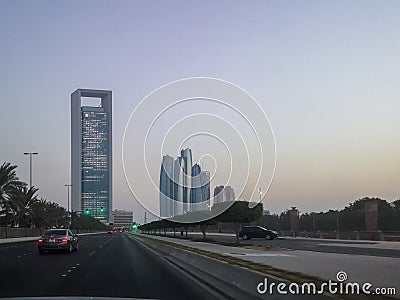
(248, 272)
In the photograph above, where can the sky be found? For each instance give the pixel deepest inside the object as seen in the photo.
(324, 72)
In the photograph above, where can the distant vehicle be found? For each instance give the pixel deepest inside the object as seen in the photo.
(58, 239)
(249, 232)
(110, 232)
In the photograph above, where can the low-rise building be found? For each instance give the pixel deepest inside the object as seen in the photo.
(122, 218)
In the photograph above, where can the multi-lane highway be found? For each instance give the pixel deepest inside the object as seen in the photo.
(106, 265)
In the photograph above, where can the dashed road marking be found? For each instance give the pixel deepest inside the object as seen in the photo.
(93, 252)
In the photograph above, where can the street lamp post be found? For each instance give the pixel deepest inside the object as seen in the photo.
(30, 165)
(68, 186)
(260, 192)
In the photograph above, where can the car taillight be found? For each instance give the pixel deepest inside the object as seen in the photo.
(64, 240)
(40, 240)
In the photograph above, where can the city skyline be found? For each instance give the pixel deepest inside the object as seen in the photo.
(330, 91)
(183, 185)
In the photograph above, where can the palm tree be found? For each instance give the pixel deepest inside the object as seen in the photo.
(22, 201)
(39, 213)
(8, 181)
(56, 215)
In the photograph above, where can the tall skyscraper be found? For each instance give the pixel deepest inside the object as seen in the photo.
(91, 154)
(167, 187)
(205, 189)
(183, 187)
(186, 155)
(178, 186)
(196, 194)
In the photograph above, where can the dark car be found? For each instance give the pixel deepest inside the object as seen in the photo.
(249, 232)
(58, 239)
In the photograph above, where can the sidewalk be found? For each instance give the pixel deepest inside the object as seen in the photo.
(327, 242)
(379, 271)
(16, 240)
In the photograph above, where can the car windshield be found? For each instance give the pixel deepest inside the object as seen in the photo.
(199, 149)
(55, 232)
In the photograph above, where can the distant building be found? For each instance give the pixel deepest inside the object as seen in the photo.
(205, 189)
(183, 186)
(167, 187)
(224, 194)
(91, 154)
(196, 191)
(186, 155)
(229, 193)
(219, 195)
(122, 218)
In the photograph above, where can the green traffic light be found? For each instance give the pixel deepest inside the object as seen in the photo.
(101, 209)
(134, 226)
(88, 212)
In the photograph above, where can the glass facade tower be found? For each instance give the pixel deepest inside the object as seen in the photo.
(183, 186)
(91, 155)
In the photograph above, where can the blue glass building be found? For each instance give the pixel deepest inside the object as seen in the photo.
(91, 155)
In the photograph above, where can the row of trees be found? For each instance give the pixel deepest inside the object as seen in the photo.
(237, 212)
(350, 218)
(20, 206)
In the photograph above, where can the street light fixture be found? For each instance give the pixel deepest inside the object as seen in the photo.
(69, 216)
(30, 165)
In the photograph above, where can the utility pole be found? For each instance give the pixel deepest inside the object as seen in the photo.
(145, 217)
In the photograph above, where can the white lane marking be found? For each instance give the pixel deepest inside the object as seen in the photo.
(64, 275)
(73, 267)
(19, 256)
(69, 271)
(92, 253)
(77, 264)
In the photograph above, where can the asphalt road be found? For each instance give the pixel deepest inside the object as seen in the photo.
(308, 245)
(105, 266)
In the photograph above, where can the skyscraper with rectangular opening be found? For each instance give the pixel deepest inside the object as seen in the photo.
(91, 154)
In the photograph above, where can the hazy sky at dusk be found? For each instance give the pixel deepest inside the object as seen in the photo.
(325, 72)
